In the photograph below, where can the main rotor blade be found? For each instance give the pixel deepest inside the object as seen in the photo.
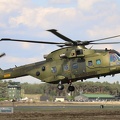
(29, 41)
(106, 43)
(62, 36)
(3, 54)
(105, 38)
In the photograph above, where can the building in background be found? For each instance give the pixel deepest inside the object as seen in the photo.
(59, 99)
(32, 97)
(14, 91)
(94, 97)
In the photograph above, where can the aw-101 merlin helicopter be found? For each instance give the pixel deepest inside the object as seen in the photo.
(72, 62)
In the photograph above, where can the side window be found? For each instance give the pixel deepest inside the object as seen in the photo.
(98, 62)
(54, 69)
(43, 68)
(74, 65)
(65, 67)
(90, 63)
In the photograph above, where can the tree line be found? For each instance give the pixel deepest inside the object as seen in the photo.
(80, 87)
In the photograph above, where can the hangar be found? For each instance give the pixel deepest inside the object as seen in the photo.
(94, 97)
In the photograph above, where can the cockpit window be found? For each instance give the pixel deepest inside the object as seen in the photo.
(118, 57)
(114, 57)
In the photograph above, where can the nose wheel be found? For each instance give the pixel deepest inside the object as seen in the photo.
(60, 86)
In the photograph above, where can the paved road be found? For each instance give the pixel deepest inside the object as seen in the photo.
(49, 108)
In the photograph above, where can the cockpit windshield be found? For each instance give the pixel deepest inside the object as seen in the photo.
(118, 57)
(114, 56)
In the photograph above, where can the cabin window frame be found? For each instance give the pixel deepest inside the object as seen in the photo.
(98, 62)
(75, 66)
(66, 67)
(90, 63)
(53, 69)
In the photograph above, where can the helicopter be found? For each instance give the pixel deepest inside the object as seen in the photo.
(70, 63)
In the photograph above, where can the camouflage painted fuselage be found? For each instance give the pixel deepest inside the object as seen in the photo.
(70, 63)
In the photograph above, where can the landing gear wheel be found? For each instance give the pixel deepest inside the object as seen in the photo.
(71, 88)
(60, 86)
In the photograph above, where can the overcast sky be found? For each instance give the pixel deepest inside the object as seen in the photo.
(77, 19)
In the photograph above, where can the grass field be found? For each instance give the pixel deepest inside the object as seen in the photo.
(63, 111)
(96, 114)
